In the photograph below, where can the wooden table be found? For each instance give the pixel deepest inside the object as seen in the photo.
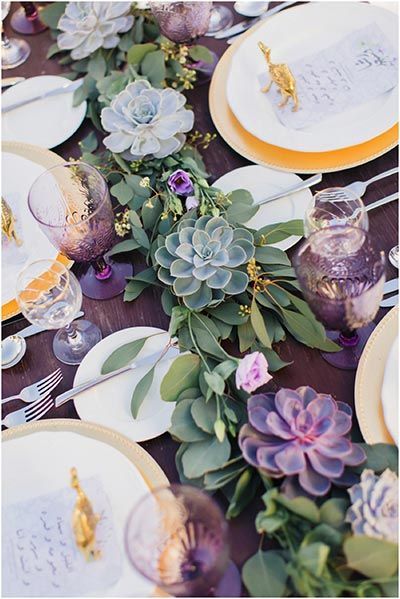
(308, 367)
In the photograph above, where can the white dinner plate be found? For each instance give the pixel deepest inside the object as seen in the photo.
(40, 463)
(47, 122)
(301, 31)
(18, 176)
(390, 392)
(109, 404)
(261, 182)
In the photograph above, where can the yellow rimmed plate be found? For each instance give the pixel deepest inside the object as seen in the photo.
(369, 379)
(44, 452)
(260, 152)
(27, 162)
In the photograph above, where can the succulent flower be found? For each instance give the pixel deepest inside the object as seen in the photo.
(201, 259)
(300, 434)
(179, 182)
(146, 121)
(252, 372)
(87, 26)
(374, 509)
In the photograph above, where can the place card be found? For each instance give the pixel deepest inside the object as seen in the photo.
(359, 68)
(40, 557)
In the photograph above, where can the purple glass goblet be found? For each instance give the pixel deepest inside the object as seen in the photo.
(177, 538)
(183, 23)
(341, 274)
(26, 19)
(72, 205)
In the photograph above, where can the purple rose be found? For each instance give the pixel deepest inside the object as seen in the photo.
(179, 182)
(252, 372)
(191, 202)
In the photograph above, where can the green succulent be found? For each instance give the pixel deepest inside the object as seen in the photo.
(201, 261)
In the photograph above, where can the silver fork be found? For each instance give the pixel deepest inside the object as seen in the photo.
(32, 412)
(38, 390)
(360, 187)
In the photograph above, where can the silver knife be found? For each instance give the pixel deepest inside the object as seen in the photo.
(33, 329)
(147, 361)
(390, 286)
(390, 301)
(244, 25)
(65, 89)
(298, 187)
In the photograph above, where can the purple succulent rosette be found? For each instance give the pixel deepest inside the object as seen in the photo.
(300, 434)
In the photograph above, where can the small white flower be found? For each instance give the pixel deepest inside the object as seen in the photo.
(87, 26)
(191, 202)
(145, 121)
(374, 509)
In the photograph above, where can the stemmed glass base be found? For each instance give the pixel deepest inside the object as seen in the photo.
(106, 282)
(230, 584)
(71, 344)
(352, 347)
(13, 52)
(31, 25)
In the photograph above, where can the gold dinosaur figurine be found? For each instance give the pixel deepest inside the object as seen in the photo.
(282, 76)
(8, 223)
(84, 521)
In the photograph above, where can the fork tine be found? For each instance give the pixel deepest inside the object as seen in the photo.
(50, 385)
(56, 372)
(36, 404)
(42, 412)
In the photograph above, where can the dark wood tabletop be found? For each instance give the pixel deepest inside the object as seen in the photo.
(308, 367)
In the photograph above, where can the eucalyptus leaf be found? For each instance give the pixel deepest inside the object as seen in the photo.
(137, 52)
(333, 512)
(122, 192)
(204, 414)
(197, 482)
(215, 381)
(205, 456)
(51, 13)
(379, 457)
(141, 390)
(325, 534)
(275, 362)
(123, 355)
(375, 558)
(280, 231)
(242, 208)
(245, 491)
(301, 506)
(246, 335)
(314, 557)
(229, 312)
(225, 368)
(128, 245)
(303, 330)
(264, 574)
(200, 53)
(97, 66)
(183, 427)
(271, 255)
(258, 324)
(182, 374)
(219, 478)
(54, 49)
(153, 67)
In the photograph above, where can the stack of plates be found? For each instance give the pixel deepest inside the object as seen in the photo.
(244, 116)
(377, 383)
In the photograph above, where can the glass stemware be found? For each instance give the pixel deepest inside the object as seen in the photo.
(221, 18)
(49, 295)
(72, 205)
(341, 274)
(184, 22)
(26, 19)
(13, 51)
(335, 206)
(178, 539)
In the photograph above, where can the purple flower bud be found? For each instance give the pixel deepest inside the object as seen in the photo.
(179, 182)
(191, 202)
(252, 372)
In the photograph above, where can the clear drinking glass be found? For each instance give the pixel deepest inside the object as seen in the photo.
(183, 23)
(177, 538)
(49, 295)
(341, 274)
(72, 205)
(221, 18)
(26, 19)
(13, 51)
(335, 206)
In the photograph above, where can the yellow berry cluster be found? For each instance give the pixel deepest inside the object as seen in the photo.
(122, 223)
(201, 139)
(244, 310)
(253, 270)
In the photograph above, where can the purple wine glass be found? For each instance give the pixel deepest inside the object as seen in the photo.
(341, 274)
(72, 205)
(26, 19)
(177, 538)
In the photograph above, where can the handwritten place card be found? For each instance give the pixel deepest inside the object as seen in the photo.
(359, 68)
(39, 554)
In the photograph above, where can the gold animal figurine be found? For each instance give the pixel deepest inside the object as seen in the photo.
(282, 76)
(8, 223)
(84, 521)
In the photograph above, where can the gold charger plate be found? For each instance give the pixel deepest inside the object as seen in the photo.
(369, 378)
(260, 152)
(47, 159)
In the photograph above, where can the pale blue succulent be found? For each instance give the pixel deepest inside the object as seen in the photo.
(374, 510)
(202, 261)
